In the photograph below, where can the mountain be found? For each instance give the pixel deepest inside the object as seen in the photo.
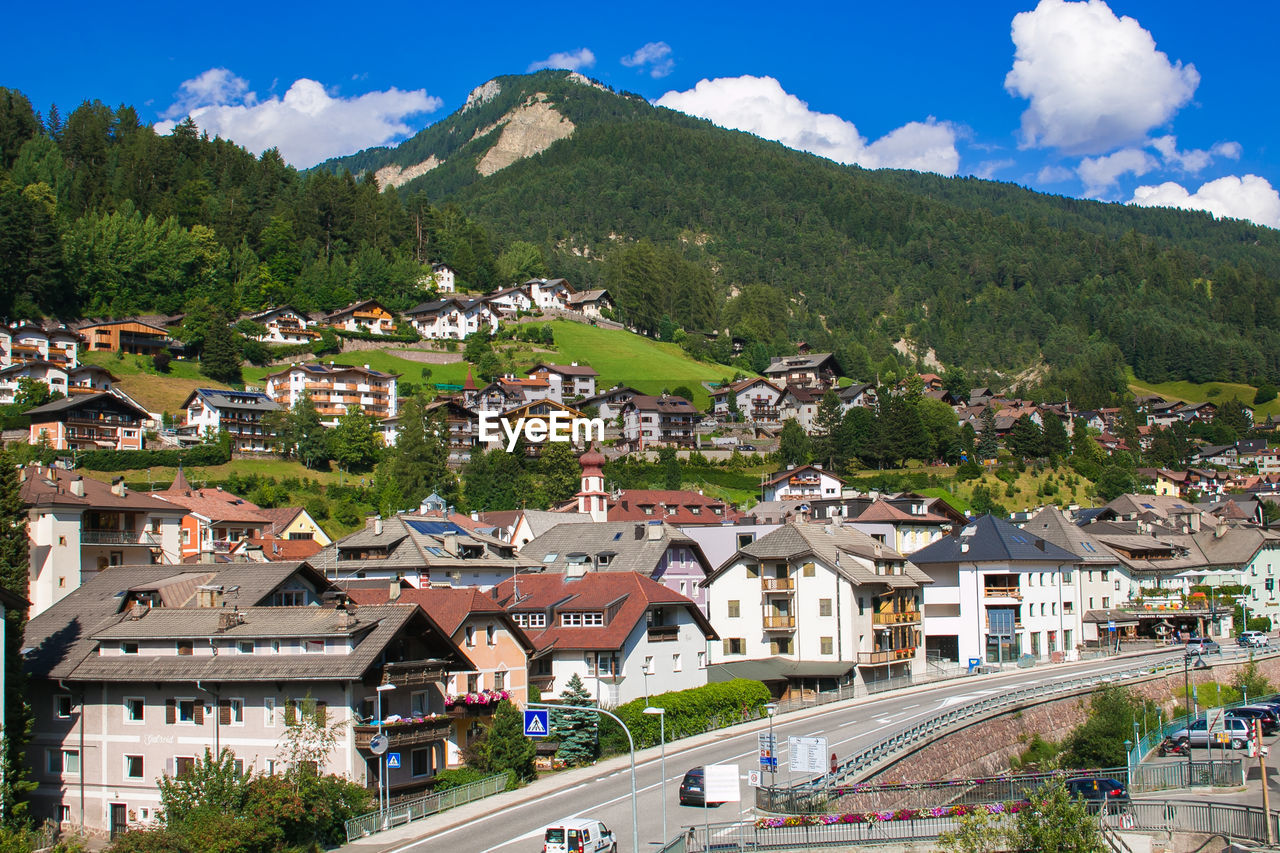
(985, 275)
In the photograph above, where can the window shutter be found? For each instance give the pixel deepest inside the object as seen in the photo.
(168, 767)
(322, 713)
(199, 712)
(224, 712)
(727, 648)
(290, 712)
(171, 711)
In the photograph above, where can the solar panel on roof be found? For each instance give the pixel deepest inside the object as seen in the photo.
(435, 528)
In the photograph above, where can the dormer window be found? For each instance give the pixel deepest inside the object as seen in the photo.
(186, 647)
(129, 648)
(582, 619)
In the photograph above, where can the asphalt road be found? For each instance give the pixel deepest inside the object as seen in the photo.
(847, 728)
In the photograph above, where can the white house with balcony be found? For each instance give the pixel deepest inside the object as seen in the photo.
(802, 483)
(810, 606)
(1000, 592)
(452, 318)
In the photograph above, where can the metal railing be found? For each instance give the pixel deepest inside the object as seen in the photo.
(117, 537)
(1241, 822)
(942, 672)
(407, 812)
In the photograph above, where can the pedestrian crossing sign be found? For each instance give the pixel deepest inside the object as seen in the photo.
(536, 722)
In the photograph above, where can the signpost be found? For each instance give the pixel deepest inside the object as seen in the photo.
(537, 722)
(808, 754)
(393, 761)
(768, 751)
(755, 778)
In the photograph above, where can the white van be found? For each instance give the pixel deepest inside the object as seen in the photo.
(579, 835)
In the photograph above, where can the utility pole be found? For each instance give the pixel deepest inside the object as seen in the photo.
(1262, 768)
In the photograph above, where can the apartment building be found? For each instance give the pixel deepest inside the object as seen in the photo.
(656, 421)
(365, 316)
(284, 325)
(241, 414)
(91, 421)
(452, 318)
(336, 389)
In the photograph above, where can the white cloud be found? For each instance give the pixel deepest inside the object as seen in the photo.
(656, 55)
(1195, 160)
(1095, 81)
(1249, 197)
(1100, 173)
(574, 60)
(761, 106)
(1054, 175)
(988, 169)
(308, 124)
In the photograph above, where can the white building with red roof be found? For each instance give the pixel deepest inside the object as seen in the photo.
(625, 635)
(216, 520)
(801, 483)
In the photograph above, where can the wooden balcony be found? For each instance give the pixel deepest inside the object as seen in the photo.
(414, 673)
(1002, 592)
(910, 617)
(405, 734)
(663, 633)
(774, 622)
(884, 658)
(778, 584)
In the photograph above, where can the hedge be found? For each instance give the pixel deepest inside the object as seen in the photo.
(689, 712)
(403, 335)
(202, 455)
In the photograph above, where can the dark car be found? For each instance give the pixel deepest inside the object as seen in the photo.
(1264, 714)
(693, 789)
(746, 447)
(1097, 790)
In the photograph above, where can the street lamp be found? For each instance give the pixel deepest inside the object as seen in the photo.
(771, 709)
(661, 713)
(631, 745)
(384, 793)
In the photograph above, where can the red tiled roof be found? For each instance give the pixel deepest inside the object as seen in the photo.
(446, 607)
(885, 511)
(276, 549)
(629, 506)
(214, 504)
(595, 591)
(278, 518)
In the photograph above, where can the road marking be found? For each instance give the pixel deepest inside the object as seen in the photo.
(909, 707)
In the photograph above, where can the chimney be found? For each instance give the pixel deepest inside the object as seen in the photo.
(228, 619)
(394, 592)
(117, 487)
(1040, 544)
(1220, 529)
(22, 474)
(77, 487)
(377, 525)
(346, 619)
(639, 531)
(451, 543)
(655, 531)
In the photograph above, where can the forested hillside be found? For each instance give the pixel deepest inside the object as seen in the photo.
(689, 226)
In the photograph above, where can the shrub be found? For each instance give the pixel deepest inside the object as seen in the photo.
(689, 712)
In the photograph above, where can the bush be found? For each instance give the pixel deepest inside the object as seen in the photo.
(456, 778)
(689, 712)
(203, 455)
(1265, 394)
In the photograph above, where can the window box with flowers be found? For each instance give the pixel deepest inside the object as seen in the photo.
(478, 703)
(406, 731)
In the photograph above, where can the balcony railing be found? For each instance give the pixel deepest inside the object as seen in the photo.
(886, 657)
(778, 584)
(911, 617)
(118, 537)
(414, 673)
(774, 622)
(406, 733)
(663, 633)
(1002, 592)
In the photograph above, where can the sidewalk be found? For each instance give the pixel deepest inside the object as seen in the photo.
(557, 782)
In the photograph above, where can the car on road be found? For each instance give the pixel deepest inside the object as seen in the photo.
(1096, 790)
(578, 835)
(746, 447)
(1252, 639)
(1202, 646)
(1264, 714)
(1237, 730)
(693, 789)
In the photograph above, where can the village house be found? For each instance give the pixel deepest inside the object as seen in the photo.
(800, 404)
(284, 325)
(857, 395)
(452, 318)
(756, 398)
(241, 414)
(811, 606)
(336, 389)
(623, 634)
(549, 294)
(510, 301)
(77, 527)
(568, 381)
(444, 278)
(610, 403)
(81, 379)
(656, 421)
(366, 316)
(817, 370)
(164, 662)
(133, 336)
(590, 303)
(801, 483)
(215, 520)
(88, 422)
(998, 593)
(32, 342)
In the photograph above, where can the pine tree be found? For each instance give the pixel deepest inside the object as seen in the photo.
(576, 728)
(1025, 439)
(503, 745)
(419, 462)
(221, 357)
(561, 474)
(1056, 441)
(827, 444)
(988, 441)
(14, 570)
(793, 445)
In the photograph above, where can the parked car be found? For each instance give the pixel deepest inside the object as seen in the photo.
(693, 789)
(1237, 730)
(1202, 646)
(1098, 789)
(578, 835)
(1252, 639)
(1263, 713)
(746, 447)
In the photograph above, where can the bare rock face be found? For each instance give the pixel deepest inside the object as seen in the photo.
(527, 130)
(482, 95)
(393, 175)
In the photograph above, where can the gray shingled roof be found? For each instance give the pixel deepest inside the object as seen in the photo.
(1053, 526)
(246, 401)
(409, 545)
(551, 550)
(992, 540)
(833, 544)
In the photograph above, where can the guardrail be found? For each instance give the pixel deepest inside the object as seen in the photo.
(1236, 822)
(399, 815)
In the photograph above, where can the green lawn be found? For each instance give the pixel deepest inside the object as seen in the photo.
(1193, 392)
(385, 360)
(159, 392)
(621, 357)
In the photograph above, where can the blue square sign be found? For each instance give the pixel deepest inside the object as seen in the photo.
(393, 761)
(536, 722)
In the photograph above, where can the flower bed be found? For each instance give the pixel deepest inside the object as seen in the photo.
(414, 721)
(880, 817)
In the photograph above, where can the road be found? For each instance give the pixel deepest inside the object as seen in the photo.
(848, 728)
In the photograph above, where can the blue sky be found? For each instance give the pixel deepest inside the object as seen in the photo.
(1157, 102)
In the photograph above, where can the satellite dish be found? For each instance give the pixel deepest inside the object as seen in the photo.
(378, 744)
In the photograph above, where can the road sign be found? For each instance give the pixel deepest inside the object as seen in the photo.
(720, 783)
(768, 751)
(378, 744)
(1215, 720)
(537, 722)
(754, 778)
(1111, 626)
(808, 754)
(393, 761)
